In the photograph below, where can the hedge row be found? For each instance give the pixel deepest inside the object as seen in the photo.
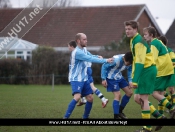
(45, 62)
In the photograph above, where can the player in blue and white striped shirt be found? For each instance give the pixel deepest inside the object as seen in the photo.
(78, 76)
(72, 45)
(113, 80)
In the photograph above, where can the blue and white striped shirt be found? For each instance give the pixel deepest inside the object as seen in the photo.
(89, 64)
(78, 66)
(113, 70)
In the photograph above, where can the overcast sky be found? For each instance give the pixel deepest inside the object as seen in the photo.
(162, 10)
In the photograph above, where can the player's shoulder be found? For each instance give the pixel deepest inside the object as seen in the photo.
(77, 49)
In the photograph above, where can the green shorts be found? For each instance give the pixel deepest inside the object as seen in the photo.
(171, 81)
(163, 82)
(146, 80)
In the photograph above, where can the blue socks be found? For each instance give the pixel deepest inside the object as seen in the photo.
(87, 110)
(71, 107)
(124, 101)
(116, 106)
(97, 92)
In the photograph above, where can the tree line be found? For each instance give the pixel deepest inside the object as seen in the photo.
(45, 62)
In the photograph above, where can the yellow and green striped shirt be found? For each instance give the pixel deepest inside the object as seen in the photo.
(172, 54)
(162, 58)
(142, 56)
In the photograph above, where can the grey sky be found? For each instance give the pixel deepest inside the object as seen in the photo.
(162, 10)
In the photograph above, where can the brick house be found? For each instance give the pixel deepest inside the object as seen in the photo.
(170, 34)
(101, 24)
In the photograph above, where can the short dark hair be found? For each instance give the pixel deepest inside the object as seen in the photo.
(163, 39)
(132, 23)
(72, 43)
(128, 57)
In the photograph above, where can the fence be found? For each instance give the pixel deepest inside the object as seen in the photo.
(32, 79)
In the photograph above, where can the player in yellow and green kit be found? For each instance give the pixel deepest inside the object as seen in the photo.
(165, 75)
(170, 97)
(143, 70)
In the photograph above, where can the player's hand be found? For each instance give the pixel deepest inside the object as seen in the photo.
(101, 57)
(110, 60)
(134, 86)
(131, 85)
(104, 83)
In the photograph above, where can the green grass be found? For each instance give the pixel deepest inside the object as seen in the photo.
(41, 101)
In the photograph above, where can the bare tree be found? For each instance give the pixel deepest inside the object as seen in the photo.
(5, 4)
(56, 3)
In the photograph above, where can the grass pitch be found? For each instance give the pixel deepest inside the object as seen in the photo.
(41, 101)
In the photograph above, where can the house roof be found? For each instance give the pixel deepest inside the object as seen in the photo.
(170, 34)
(19, 44)
(101, 24)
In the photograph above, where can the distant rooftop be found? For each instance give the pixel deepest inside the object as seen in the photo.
(17, 44)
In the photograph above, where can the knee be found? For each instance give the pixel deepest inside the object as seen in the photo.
(77, 97)
(171, 89)
(120, 96)
(117, 98)
(136, 99)
(129, 93)
(142, 102)
(117, 95)
(90, 98)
